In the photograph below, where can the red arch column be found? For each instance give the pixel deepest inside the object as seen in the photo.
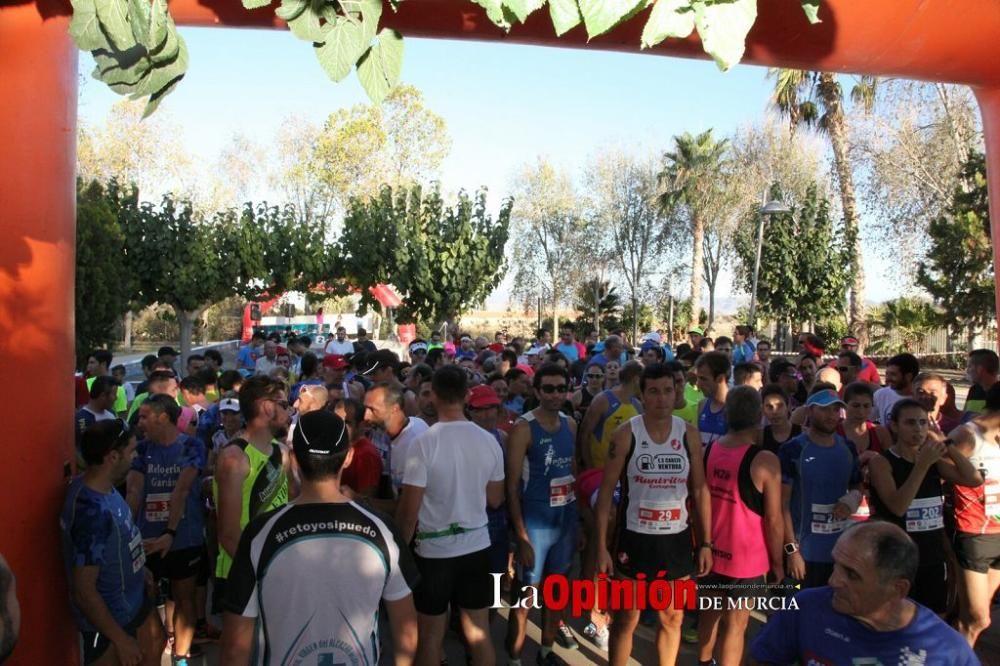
(989, 106)
(38, 97)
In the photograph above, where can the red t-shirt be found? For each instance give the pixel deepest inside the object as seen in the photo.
(366, 467)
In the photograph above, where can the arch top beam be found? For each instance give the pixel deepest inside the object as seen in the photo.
(937, 40)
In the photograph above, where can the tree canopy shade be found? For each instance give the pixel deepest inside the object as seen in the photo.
(803, 263)
(958, 271)
(443, 259)
(103, 290)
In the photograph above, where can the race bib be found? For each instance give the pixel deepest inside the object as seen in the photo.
(157, 507)
(925, 514)
(823, 521)
(991, 496)
(661, 517)
(137, 552)
(561, 491)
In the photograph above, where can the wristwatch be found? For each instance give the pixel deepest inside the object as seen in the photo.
(791, 548)
(707, 544)
(171, 532)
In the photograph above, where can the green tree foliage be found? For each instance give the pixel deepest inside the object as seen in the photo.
(626, 206)
(691, 184)
(609, 306)
(804, 262)
(552, 239)
(901, 325)
(102, 288)
(958, 270)
(442, 259)
(816, 99)
(398, 143)
(189, 261)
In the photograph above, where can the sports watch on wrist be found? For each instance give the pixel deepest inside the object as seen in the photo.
(791, 548)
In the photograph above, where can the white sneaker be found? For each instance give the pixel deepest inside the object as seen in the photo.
(601, 639)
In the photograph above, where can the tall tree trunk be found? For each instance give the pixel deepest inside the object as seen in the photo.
(127, 329)
(696, 262)
(186, 320)
(635, 318)
(837, 130)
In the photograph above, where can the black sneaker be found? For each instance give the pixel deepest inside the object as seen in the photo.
(551, 660)
(565, 638)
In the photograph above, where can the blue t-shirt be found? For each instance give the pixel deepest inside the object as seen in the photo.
(161, 466)
(569, 351)
(816, 634)
(247, 357)
(209, 422)
(97, 530)
(819, 476)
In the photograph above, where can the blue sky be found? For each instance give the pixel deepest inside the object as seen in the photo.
(504, 104)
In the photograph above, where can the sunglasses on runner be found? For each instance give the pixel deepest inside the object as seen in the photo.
(284, 404)
(843, 368)
(595, 376)
(552, 388)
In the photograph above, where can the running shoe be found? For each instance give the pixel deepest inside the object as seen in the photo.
(552, 659)
(602, 639)
(565, 637)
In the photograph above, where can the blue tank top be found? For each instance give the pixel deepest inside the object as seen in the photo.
(547, 483)
(711, 425)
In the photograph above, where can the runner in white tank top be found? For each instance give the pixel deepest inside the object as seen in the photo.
(658, 459)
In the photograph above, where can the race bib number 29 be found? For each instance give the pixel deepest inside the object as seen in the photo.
(664, 517)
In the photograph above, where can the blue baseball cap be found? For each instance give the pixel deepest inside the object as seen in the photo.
(824, 398)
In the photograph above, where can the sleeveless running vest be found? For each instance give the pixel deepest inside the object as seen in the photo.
(924, 518)
(655, 482)
(547, 472)
(618, 412)
(265, 488)
(977, 510)
(740, 550)
(711, 425)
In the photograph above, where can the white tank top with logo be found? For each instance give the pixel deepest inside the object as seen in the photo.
(657, 480)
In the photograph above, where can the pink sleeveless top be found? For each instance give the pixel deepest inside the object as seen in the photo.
(740, 550)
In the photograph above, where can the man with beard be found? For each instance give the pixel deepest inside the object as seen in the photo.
(251, 472)
(111, 590)
(820, 490)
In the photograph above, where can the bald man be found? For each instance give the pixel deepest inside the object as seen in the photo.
(863, 615)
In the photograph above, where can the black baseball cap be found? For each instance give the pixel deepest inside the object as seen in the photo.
(320, 433)
(383, 358)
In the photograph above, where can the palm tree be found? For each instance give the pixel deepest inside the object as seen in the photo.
(689, 180)
(816, 99)
(905, 322)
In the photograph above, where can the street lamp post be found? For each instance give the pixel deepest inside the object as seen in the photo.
(769, 208)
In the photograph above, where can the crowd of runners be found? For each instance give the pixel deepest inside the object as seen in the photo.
(340, 503)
